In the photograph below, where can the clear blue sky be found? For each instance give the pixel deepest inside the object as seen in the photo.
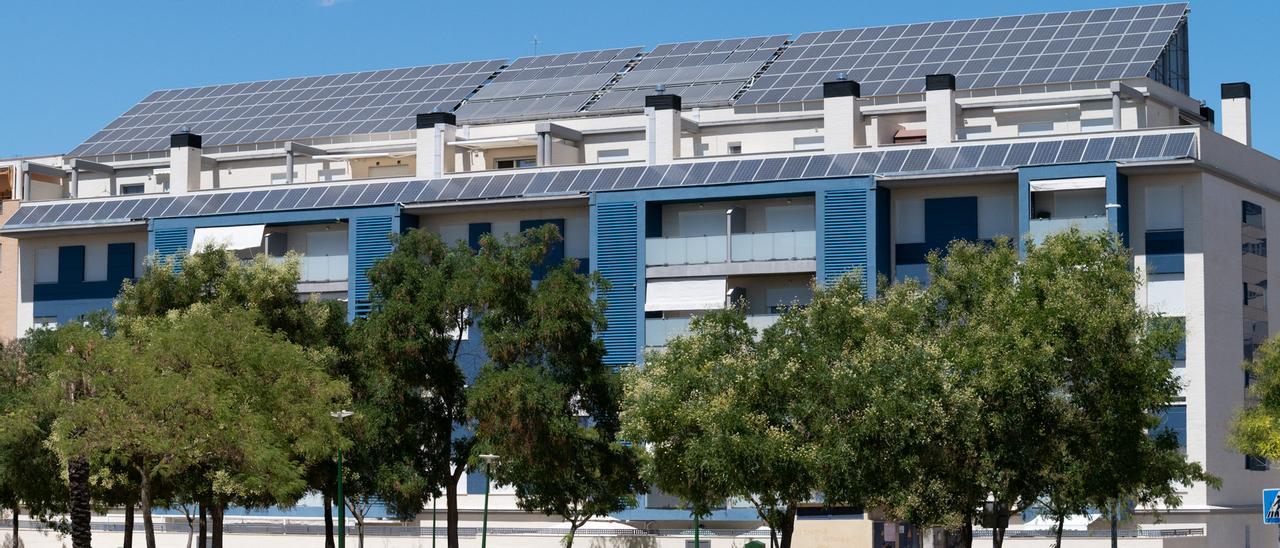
(69, 68)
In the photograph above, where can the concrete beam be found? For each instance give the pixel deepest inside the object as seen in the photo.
(44, 170)
(298, 149)
(79, 164)
(558, 131)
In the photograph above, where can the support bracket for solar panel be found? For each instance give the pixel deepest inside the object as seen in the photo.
(291, 150)
(1119, 92)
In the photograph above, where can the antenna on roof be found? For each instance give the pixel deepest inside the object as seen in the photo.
(660, 88)
(842, 76)
(536, 41)
(184, 129)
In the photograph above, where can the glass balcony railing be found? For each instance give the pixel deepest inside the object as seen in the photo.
(320, 268)
(1040, 228)
(657, 331)
(765, 246)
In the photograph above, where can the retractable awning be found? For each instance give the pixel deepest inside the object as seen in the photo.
(1075, 183)
(700, 294)
(230, 237)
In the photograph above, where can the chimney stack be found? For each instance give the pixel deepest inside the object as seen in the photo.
(185, 150)
(1236, 112)
(940, 108)
(435, 155)
(841, 116)
(663, 130)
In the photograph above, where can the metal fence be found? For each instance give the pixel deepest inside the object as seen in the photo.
(411, 531)
(1070, 533)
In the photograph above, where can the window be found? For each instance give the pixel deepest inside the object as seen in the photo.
(807, 143)
(613, 155)
(1035, 128)
(515, 163)
(139, 188)
(1090, 125)
(1257, 464)
(735, 148)
(1174, 419)
(47, 265)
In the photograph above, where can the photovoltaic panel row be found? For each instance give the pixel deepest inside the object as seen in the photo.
(1045, 48)
(703, 73)
(296, 108)
(881, 162)
(546, 84)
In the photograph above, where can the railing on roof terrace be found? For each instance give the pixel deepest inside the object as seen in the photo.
(659, 331)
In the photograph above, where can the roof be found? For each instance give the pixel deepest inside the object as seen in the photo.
(1144, 146)
(1019, 50)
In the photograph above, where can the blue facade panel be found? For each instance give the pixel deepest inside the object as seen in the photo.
(370, 241)
(616, 253)
(1117, 191)
(846, 242)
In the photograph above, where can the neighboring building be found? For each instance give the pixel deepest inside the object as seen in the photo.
(698, 172)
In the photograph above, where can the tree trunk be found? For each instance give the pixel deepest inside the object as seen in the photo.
(204, 526)
(16, 513)
(148, 526)
(1057, 535)
(191, 526)
(1115, 525)
(573, 530)
(217, 510)
(966, 533)
(360, 530)
(328, 520)
(81, 513)
(997, 538)
(128, 525)
(451, 513)
(788, 525)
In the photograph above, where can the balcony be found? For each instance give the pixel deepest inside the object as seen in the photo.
(657, 331)
(749, 247)
(1041, 228)
(320, 268)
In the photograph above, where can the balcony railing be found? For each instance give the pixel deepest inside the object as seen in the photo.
(765, 246)
(657, 331)
(320, 268)
(1041, 228)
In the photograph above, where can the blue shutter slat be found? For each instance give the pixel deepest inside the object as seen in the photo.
(617, 257)
(845, 236)
(172, 242)
(373, 242)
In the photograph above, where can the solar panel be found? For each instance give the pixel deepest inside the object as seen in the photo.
(546, 84)
(706, 73)
(913, 160)
(1032, 49)
(280, 110)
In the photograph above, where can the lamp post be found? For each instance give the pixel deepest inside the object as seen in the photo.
(342, 506)
(489, 460)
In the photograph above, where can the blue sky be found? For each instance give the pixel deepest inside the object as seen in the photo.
(71, 67)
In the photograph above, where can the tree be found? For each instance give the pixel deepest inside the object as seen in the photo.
(216, 277)
(30, 474)
(409, 349)
(546, 402)
(1049, 370)
(1256, 429)
(204, 387)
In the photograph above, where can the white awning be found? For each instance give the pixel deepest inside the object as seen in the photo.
(701, 294)
(229, 237)
(1076, 183)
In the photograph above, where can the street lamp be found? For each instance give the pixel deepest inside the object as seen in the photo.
(489, 461)
(342, 506)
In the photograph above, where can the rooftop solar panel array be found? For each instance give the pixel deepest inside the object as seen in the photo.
(702, 73)
(546, 84)
(1101, 44)
(1037, 49)
(297, 108)
(879, 162)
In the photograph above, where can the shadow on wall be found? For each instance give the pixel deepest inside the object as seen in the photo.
(624, 542)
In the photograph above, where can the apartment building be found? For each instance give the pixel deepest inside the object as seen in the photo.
(698, 173)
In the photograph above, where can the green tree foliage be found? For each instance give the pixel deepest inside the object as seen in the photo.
(411, 388)
(1256, 428)
(547, 403)
(30, 473)
(204, 389)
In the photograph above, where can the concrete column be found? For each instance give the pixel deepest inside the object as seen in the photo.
(940, 108)
(663, 130)
(1237, 112)
(185, 149)
(841, 116)
(435, 131)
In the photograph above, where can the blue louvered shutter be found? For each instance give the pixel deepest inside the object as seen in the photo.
(372, 242)
(617, 258)
(845, 237)
(172, 243)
